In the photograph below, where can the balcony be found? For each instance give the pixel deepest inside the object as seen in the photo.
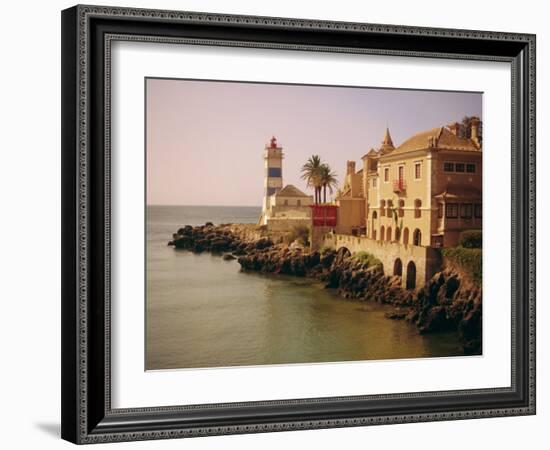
(399, 186)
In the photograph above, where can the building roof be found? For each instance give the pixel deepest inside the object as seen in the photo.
(387, 143)
(290, 191)
(459, 192)
(440, 137)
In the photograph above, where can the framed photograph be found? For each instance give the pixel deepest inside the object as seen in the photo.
(278, 224)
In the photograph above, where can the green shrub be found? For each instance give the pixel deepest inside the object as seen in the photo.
(324, 250)
(471, 239)
(298, 233)
(367, 258)
(469, 260)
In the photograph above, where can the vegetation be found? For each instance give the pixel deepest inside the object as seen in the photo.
(324, 250)
(300, 234)
(319, 176)
(471, 239)
(469, 260)
(328, 180)
(465, 128)
(367, 258)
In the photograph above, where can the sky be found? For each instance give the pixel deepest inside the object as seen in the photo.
(205, 140)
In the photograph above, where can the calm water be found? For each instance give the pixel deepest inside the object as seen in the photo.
(204, 312)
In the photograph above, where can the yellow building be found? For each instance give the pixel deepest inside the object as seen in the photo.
(424, 192)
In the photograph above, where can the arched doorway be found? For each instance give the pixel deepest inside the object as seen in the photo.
(406, 236)
(411, 275)
(388, 234)
(417, 237)
(398, 267)
(342, 254)
(382, 233)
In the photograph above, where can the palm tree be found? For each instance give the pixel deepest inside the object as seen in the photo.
(311, 172)
(328, 179)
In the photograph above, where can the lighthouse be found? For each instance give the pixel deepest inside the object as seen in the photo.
(273, 157)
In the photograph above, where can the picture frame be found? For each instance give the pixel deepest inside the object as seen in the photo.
(87, 35)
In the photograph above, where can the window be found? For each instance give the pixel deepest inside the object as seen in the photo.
(389, 208)
(286, 202)
(451, 210)
(386, 174)
(382, 208)
(466, 211)
(459, 167)
(374, 182)
(417, 171)
(471, 168)
(417, 210)
(400, 172)
(298, 202)
(449, 167)
(477, 210)
(401, 206)
(274, 172)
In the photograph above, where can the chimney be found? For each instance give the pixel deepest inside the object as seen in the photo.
(474, 123)
(351, 167)
(454, 127)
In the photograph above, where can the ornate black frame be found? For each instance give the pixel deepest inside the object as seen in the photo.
(87, 31)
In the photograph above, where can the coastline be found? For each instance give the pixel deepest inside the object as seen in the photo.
(447, 302)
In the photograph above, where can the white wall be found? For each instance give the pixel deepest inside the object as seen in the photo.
(30, 222)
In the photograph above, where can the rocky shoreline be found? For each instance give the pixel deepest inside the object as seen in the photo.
(447, 302)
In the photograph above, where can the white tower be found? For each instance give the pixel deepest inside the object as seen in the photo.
(273, 156)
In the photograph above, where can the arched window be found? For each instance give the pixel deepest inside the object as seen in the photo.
(388, 234)
(411, 275)
(389, 207)
(382, 233)
(406, 236)
(397, 234)
(401, 210)
(398, 267)
(417, 206)
(382, 208)
(417, 237)
(374, 215)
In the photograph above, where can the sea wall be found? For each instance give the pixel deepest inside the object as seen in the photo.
(395, 257)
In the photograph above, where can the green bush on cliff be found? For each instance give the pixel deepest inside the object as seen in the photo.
(299, 233)
(367, 258)
(467, 259)
(471, 239)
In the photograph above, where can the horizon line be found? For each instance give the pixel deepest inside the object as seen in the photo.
(218, 206)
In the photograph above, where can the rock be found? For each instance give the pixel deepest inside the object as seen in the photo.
(208, 224)
(396, 314)
(228, 257)
(434, 319)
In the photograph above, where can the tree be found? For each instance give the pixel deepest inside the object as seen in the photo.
(465, 129)
(311, 172)
(328, 180)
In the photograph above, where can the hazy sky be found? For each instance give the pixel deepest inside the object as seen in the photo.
(205, 140)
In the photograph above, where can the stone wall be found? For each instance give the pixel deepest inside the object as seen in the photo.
(425, 260)
(286, 224)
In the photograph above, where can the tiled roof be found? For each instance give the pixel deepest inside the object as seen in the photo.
(290, 191)
(440, 137)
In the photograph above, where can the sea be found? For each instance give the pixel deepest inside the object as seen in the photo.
(202, 311)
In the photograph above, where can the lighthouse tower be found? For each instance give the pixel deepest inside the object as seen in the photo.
(273, 156)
